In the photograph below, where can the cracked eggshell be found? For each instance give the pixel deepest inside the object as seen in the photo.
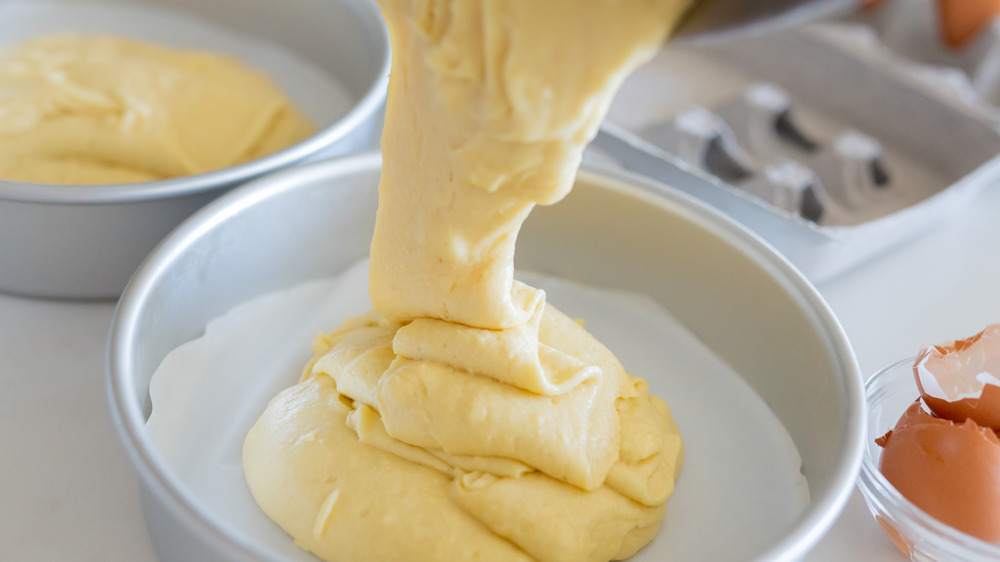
(960, 380)
(950, 470)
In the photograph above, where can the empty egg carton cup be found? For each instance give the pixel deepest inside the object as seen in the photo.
(828, 141)
(755, 143)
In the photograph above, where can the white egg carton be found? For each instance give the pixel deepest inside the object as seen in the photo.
(834, 142)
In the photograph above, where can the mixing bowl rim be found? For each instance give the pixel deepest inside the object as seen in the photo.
(360, 110)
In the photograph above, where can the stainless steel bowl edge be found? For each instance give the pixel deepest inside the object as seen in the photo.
(84, 242)
(721, 20)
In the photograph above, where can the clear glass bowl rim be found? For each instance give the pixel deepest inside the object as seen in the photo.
(908, 519)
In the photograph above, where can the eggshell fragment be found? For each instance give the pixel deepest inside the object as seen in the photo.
(960, 380)
(949, 470)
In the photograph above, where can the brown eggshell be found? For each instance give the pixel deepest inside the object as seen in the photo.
(949, 470)
(985, 410)
(897, 538)
(954, 366)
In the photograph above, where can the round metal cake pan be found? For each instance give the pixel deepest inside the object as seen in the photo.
(733, 291)
(84, 242)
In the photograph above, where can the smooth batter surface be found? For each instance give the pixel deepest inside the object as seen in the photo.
(92, 109)
(465, 418)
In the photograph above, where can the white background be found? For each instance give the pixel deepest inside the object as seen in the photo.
(67, 490)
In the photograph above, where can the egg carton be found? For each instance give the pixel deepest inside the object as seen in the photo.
(755, 142)
(829, 141)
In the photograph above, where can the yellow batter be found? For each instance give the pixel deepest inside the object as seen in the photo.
(88, 109)
(465, 418)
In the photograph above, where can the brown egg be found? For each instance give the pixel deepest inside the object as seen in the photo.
(957, 380)
(959, 21)
(950, 470)
(963, 20)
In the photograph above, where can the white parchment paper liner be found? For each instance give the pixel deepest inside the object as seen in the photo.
(740, 488)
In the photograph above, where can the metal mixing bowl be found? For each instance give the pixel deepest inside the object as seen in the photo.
(741, 298)
(85, 241)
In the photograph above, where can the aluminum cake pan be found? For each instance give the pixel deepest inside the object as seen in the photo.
(731, 289)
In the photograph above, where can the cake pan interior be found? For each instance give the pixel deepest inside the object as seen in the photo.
(617, 231)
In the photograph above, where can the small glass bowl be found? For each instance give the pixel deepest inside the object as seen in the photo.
(924, 539)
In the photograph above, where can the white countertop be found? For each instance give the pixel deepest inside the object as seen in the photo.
(68, 492)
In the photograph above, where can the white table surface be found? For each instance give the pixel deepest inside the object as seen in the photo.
(67, 490)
